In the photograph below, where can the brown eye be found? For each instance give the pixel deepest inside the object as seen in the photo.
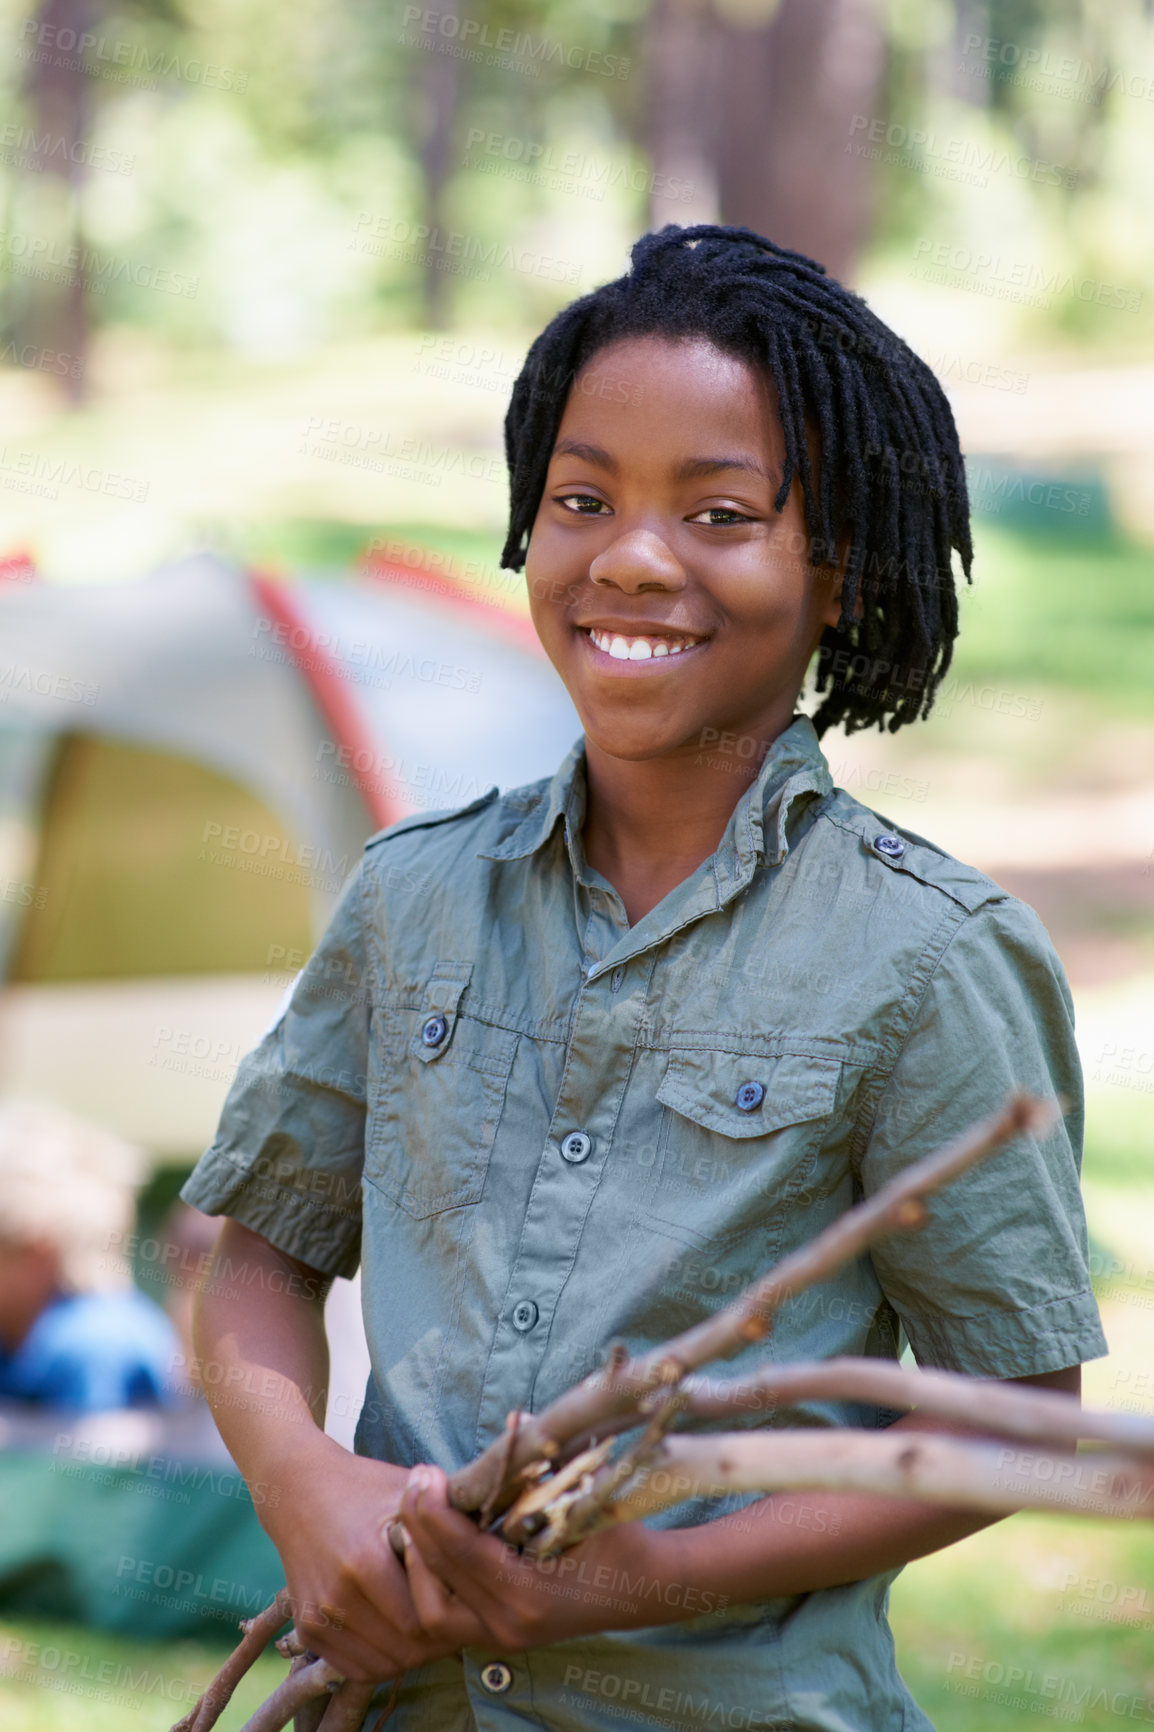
(578, 503)
(721, 516)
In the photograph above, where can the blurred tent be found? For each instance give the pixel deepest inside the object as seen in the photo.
(189, 766)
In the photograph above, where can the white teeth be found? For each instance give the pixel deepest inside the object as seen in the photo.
(637, 649)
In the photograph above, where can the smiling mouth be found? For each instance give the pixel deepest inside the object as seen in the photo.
(639, 649)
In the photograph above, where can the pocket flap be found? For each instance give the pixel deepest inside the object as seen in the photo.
(438, 1015)
(706, 1087)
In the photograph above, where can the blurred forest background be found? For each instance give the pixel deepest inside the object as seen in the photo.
(267, 274)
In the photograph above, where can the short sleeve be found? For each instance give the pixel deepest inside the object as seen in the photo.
(289, 1149)
(997, 1283)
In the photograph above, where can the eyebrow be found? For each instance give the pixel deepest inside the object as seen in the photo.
(691, 470)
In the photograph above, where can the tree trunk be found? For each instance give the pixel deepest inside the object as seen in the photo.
(439, 95)
(681, 120)
(61, 116)
(799, 93)
(766, 105)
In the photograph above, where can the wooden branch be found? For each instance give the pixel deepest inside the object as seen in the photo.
(553, 1478)
(961, 1473)
(1040, 1415)
(347, 1710)
(591, 1407)
(300, 1687)
(258, 1632)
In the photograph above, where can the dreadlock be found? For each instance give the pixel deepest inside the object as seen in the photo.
(890, 480)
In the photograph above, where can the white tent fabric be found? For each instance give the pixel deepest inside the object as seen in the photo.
(431, 708)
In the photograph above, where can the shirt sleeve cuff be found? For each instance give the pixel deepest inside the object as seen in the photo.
(1026, 1343)
(310, 1228)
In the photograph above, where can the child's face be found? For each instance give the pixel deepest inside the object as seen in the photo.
(657, 523)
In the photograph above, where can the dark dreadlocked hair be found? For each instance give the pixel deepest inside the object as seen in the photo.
(891, 478)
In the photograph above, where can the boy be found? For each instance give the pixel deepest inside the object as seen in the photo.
(649, 1026)
(74, 1331)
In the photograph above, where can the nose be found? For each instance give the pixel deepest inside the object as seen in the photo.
(637, 561)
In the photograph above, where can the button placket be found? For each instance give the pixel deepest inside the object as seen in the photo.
(594, 1078)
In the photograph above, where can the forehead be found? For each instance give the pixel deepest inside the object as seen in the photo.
(668, 394)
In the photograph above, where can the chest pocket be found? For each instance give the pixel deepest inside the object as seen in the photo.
(440, 1095)
(738, 1140)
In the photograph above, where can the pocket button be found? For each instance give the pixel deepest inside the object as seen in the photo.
(576, 1147)
(750, 1096)
(434, 1031)
(496, 1677)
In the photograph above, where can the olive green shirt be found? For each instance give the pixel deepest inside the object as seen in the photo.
(540, 1129)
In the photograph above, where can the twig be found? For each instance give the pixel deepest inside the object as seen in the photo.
(257, 1633)
(962, 1473)
(593, 1405)
(312, 1680)
(1042, 1415)
(347, 1710)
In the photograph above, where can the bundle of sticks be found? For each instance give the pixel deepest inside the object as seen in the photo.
(556, 1477)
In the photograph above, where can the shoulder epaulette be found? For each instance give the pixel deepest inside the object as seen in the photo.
(903, 851)
(424, 820)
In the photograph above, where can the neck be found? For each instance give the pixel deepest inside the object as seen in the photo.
(650, 824)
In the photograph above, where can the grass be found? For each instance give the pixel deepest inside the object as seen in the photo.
(58, 1677)
(1037, 1616)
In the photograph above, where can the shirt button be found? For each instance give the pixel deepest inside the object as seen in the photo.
(615, 980)
(496, 1677)
(750, 1096)
(891, 846)
(576, 1147)
(434, 1031)
(525, 1314)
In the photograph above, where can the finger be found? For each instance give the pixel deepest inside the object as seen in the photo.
(349, 1638)
(443, 1616)
(466, 1560)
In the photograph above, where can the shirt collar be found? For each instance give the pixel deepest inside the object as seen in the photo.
(757, 827)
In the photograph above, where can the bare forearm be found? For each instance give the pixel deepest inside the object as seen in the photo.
(799, 1542)
(262, 1352)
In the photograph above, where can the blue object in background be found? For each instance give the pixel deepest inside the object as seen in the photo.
(92, 1351)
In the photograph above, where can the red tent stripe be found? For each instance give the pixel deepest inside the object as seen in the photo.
(441, 590)
(330, 692)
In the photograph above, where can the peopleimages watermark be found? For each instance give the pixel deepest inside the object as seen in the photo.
(962, 159)
(988, 273)
(364, 661)
(38, 359)
(45, 683)
(455, 250)
(23, 147)
(49, 1665)
(46, 259)
(636, 1694)
(1039, 68)
(1059, 1696)
(571, 171)
(372, 448)
(33, 472)
(477, 40)
(118, 61)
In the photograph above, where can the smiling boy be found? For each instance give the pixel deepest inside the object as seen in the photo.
(650, 1026)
